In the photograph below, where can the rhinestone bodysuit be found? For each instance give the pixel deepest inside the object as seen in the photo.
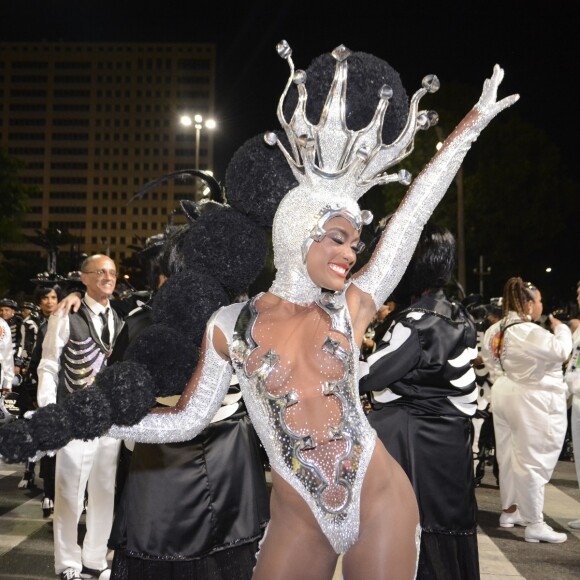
(306, 409)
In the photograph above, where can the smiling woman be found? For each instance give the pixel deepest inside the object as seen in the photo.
(295, 347)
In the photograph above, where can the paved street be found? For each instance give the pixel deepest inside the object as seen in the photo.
(26, 538)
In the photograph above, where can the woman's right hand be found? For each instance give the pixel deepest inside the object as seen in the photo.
(72, 301)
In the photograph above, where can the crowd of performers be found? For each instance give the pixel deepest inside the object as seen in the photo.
(207, 386)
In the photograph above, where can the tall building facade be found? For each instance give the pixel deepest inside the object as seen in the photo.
(94, 123)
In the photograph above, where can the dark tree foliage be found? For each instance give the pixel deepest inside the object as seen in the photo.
(13, 197)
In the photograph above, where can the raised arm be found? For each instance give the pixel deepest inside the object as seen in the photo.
(379, 277)
(71, 301)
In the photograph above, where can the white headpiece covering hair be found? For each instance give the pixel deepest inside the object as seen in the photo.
(334, 167)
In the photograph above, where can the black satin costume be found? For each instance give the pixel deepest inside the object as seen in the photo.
(191, 510)
(195, 509)
(428, 433)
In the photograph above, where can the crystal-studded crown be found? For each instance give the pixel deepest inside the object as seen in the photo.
(330, 157)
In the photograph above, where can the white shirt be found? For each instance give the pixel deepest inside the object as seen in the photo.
(57, 335)
(6, 356)
(532, 355)
(572, 375)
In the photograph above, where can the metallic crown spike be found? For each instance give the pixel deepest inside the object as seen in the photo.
(330, 157)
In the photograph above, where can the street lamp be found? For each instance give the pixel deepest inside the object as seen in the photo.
(198, 124)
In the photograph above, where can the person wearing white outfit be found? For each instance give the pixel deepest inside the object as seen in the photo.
(529, 403)
(572, 378)
(74, 350)
(6, 358)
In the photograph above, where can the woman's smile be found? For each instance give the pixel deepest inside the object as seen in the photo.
(341, 270)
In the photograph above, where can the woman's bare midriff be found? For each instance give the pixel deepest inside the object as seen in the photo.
(295, 545)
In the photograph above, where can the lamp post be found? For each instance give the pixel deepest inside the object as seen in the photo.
(481, 272)
(198, 124)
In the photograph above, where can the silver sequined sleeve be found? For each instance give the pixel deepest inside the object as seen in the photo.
(185, 424)
(394, 251)
(397, 244)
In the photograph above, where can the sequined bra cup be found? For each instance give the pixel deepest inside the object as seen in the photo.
(315, 433)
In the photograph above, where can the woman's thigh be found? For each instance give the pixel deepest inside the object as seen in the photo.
(291, 549)
(387, 547)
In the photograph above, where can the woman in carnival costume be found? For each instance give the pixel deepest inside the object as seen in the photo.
(295, 348)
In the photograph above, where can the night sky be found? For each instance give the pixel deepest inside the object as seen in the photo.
(456, 40)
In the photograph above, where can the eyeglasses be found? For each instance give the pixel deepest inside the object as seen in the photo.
(101, 273)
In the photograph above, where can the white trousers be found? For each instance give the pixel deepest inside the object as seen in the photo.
(575, 428)
(91, 466)
(530, 426)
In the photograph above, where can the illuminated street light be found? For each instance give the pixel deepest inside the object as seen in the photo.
(198, 124)
(185, 120)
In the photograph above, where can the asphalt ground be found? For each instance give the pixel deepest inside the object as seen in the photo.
(26, 545)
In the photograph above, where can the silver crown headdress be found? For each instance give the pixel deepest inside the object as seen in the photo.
(334, 167)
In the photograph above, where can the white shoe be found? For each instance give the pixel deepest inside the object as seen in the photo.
(47, 507)
(575, 524)
(542, 532)
(509, 520)
(70, 574)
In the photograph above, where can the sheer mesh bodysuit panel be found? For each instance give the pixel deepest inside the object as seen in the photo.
(297, 371)
(305, 367)
(300, 384)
